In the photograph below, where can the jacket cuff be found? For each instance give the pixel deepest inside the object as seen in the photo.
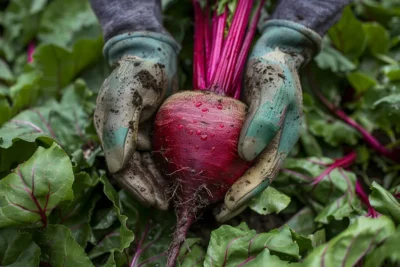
(292, 37)
(142, 44)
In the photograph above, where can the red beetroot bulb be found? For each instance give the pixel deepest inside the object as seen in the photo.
(196, 146)
(196, 140)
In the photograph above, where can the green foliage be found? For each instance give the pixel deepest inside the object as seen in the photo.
(60, 207)
(35, 188)
(18, 249)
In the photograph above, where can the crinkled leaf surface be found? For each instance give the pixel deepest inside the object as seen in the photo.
(331, 59)
(191, 254)
(5, 110)
(5, 72)
(378, 38)
(333, 131)
(31, 192)
(154, 232)
(384, 202)
(232, 246)
(77, 214)
(303, 221)
(63, 19)
(24, 92)
(333, 188)
(64, 122)
(347, 248)
(59, 248)
(17, 249)
(117, 239)
(389, 250)
(360, 81)
(60, 66)
(348, 34)
(270, 201)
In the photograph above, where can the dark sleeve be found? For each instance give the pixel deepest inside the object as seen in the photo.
(120, 16)
(318, 15)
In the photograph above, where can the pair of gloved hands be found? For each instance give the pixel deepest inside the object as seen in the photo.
(146, 73)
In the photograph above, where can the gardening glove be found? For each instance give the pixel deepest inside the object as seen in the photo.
(145, 73)
(273, 93)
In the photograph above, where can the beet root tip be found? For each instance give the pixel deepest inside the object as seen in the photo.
(186, 217)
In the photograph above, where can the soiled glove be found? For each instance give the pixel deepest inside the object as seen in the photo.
(145, 73)
(145, 60)
(273, 92)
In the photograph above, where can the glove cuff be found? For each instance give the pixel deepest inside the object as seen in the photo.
(292, 37)
(143, 44)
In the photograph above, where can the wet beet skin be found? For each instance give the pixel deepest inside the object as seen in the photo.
(195, 143)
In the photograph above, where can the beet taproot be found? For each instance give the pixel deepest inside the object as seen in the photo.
(196, 145)
(196, 133)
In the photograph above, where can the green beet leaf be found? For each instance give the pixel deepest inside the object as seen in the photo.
(64, 122)
(59, 248)
(154, 232)
(269, 201)
(331, 59)
(32, 191)
(348, 35)
(62, 21)
(235, 246)
(384, 202)
(52, 60)
(77, 214)
(17, 249)
(350, 246)
(191, 254)
(388, 251)
(117, 238)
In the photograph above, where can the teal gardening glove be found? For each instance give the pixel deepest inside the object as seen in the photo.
(145, 74)
(273, 93)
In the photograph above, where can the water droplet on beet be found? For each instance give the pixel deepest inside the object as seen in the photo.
(198, 104)
(198, 132)
(222, 125)
(194, 121)
(204, 109)
(196, 147)
(219, 106)
(212, 135)
(203, 137)
(213, 148)
(180, 126)
(191, 132)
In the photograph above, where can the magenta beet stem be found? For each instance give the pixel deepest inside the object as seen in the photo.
(364, 199)
(369, 138)
(31, 50)
(241, 63)
(338, 163)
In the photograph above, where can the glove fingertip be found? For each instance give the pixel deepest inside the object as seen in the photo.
(250, 147)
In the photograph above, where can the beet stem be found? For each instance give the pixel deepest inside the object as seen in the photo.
(199, 81)
(241, 62)
(219, 61)
(368, 138)
(218, 42)
(364, 199)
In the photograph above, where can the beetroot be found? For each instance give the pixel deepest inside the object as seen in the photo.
(196, 133)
